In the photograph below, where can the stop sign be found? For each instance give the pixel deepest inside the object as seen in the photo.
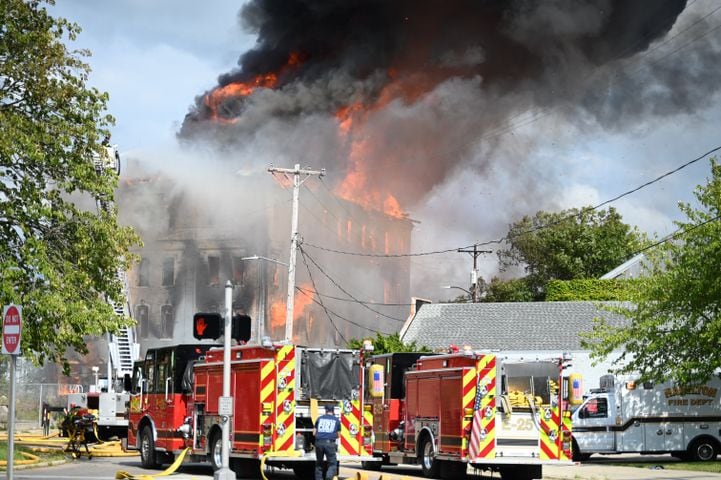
(12, 324)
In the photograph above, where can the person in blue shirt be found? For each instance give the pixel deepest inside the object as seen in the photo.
(326, 434)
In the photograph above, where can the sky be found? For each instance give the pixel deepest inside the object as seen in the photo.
(154, 58)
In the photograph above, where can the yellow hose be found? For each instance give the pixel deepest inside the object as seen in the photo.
(294, 453)
(30, 460)
(170, 470)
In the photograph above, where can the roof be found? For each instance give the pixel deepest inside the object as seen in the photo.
(507, 326)
(633, 268)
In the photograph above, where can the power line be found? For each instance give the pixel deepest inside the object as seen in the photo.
(341, 317)
(582, 212)
(310, 275)
(679, 232)
(305, 255)
(380, 304)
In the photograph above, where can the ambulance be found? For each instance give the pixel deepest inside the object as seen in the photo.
(625, 415)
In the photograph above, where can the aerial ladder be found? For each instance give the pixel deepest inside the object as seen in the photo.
(123, 350)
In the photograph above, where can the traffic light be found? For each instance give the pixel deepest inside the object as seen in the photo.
(240, 328)
(207, 325)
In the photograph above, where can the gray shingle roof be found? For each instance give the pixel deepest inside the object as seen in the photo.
(507, 326)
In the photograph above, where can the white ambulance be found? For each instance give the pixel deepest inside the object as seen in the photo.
(626, 416)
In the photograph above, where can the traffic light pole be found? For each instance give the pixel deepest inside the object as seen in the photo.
(297, 182)
(225, 403)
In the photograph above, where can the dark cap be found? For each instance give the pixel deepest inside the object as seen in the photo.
(330, 408)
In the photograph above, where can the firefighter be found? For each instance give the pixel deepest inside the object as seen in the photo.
(326, 435)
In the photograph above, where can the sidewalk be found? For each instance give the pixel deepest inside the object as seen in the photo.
(599, 471)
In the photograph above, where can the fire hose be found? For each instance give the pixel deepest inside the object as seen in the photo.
(295, 453)
(122, 475)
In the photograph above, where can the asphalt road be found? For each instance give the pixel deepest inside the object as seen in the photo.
(597, 469)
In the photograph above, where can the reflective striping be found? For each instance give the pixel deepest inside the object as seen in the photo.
(367, 430)
(469, 393)
(285, 400)
(486, 367)
(566, 429)
(550, 432)
(267, 397)
(350, 438)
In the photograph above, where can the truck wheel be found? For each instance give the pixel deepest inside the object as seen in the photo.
(216, 451)
(521, 472)
(374, 466)
(451, 470)
(703, 450)
(147, 448)
(304, 470)
(576, 454)
(429, 464)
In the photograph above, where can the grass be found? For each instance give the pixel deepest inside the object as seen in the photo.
(44, 454)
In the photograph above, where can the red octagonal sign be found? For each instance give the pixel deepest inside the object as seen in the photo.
(12, 324)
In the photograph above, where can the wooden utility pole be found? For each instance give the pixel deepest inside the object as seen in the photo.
(474, 273)
(296, 172)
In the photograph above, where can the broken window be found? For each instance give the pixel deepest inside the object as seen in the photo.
(167, 320)
(213, 270)
(144, 272)
(168, 271)
(142, 313)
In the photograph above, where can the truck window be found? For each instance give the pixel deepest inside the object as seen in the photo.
(596, 408)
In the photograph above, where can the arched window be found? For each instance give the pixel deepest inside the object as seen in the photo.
(167, 321)
(142, 314)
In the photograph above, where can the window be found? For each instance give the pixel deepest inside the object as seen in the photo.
(213, 270)
(595, 408)
(142, 312)
(237, 271)
(168, 271)
(167, 321)
(144, 272)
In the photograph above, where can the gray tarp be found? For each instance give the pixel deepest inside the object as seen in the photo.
(329, 374)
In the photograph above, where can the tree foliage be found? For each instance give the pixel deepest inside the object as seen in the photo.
(512, 290)
(388, 344)
(674, 331)
(574, 243)
(590, 289)
(57, 260)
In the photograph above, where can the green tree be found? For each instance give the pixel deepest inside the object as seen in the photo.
(674, 328)
(388, 344)
(513, 290)
(570, 244)
(57, 260)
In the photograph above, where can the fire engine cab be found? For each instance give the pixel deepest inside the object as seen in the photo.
(277, 390)
(449, 412)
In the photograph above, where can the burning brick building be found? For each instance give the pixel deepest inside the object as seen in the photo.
(196, 239)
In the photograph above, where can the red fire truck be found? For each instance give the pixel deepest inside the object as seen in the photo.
(277, 391)
(449, 412)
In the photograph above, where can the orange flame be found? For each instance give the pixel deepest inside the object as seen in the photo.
(300, 304)
(215, 98)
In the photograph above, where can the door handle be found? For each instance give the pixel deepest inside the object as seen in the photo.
(659, 431)
(669, 432)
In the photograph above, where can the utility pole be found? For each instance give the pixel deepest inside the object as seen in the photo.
(297, 182)
(474, 273)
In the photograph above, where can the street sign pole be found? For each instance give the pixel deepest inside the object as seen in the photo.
(12, 326)
(225, 403)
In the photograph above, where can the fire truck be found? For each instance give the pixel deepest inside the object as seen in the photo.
(453, 411)
(277, 389)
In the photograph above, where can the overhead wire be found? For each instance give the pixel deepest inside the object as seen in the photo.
(340, 287)
(380, 304)
(581, 212)
(312, 281)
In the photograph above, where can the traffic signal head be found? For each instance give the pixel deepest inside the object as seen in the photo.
(240, 328)
(207, 325)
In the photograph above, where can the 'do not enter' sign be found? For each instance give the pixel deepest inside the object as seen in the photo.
(12, 326)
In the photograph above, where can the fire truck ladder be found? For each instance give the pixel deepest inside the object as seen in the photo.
(123, 349)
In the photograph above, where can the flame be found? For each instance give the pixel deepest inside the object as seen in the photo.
(214, 99)
(300, 304)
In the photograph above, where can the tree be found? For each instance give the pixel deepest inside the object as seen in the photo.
(57, 259)
(513, 290)
(388, 344)
(674, 328)
(574, 243)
